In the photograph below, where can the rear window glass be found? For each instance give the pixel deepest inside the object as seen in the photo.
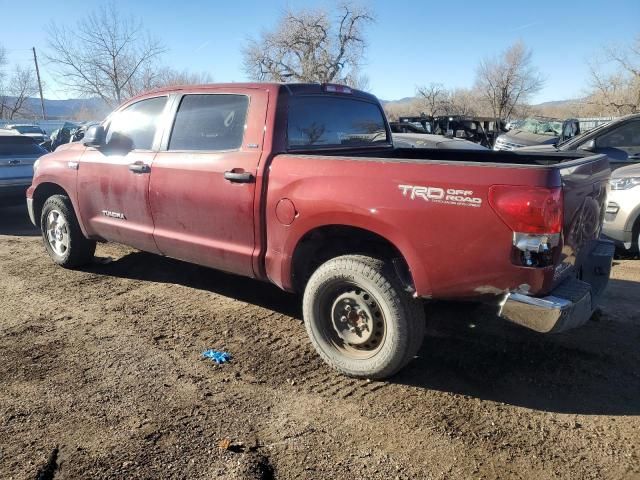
(210, 122)
(323, 121)
(14, 145)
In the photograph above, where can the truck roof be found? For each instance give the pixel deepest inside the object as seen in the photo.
(289, 88)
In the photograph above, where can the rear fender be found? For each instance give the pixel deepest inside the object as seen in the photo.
(279, 259)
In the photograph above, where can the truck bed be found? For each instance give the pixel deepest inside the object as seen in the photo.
(463, 156)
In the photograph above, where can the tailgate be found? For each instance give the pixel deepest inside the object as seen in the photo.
(584, 184)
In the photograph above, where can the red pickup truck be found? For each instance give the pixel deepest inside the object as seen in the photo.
(300, 185)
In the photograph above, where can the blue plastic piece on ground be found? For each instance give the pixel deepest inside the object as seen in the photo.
(217, 356)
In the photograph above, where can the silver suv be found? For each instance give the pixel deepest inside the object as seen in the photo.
(622, 217)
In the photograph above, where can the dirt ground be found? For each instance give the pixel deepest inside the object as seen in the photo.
(101, 376)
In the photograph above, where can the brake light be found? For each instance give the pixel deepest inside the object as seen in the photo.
(334, 88)
(528, 209)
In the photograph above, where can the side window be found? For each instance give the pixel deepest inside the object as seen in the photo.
(134, 127)
(625, 136)
(209, 122)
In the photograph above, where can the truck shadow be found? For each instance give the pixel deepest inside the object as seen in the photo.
(591, 370)
(16, 221)
(150, 267)
(468, 350)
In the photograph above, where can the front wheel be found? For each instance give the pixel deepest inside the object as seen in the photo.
(63, 239)
(359, 319)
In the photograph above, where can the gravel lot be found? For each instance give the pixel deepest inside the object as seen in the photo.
(101, 377)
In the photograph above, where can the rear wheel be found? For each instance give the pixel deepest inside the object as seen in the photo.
(63, 239)
(359, 319)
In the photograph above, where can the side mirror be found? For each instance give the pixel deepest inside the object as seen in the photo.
(94, 137)
(589, 146)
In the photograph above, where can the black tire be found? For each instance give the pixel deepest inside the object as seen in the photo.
(386, 330)
(63, 239)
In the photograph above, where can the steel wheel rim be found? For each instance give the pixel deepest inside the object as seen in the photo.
(365, 315)
(57, 230)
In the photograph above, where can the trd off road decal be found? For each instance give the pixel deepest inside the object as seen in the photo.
(448, 196)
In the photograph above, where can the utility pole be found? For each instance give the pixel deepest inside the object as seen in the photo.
(35, 60)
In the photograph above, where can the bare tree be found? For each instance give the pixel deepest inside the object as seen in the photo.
(15, 92)
(463, 101)
(617, 92)
(435, 99)
(103, 55)
(3, 61)
(153, 76)
(311, 46)
(508, 80)
(20, 86)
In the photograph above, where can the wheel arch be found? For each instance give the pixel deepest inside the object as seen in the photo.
(321, 243)
(45, 190)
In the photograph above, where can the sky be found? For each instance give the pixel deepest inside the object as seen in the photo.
(411, 43)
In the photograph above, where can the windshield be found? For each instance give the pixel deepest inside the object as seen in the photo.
(541, 127)
(28, 129)
(326, 121)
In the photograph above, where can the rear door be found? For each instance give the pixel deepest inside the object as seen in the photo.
(17, 156)
(203, 181)
(113, 181)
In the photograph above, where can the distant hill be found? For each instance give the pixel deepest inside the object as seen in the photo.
(92, 108)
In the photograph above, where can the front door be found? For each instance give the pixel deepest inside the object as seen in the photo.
(113, 181)
(203, 183)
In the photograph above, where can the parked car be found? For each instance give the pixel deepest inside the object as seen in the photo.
(619, 139)
(538, 131)
(481, 130)
(17, 156)
(29, 130)
(423, 140)
(300, 185)
(622, 217)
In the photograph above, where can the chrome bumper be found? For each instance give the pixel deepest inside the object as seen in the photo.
(571, 304)
(30, 209)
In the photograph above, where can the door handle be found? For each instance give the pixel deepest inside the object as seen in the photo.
(238, 177)
(634, 156)
(139, 167)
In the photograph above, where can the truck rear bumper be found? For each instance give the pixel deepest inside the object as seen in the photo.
(570, 304)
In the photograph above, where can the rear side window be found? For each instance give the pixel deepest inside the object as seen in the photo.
(324, 121)
(14, 145)
(209, 122)
(134, 127)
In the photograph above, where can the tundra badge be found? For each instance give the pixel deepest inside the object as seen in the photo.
(109, 213)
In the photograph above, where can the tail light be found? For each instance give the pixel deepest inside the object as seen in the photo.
(533, 210)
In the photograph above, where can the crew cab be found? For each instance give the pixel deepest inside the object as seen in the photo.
(300, 185)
